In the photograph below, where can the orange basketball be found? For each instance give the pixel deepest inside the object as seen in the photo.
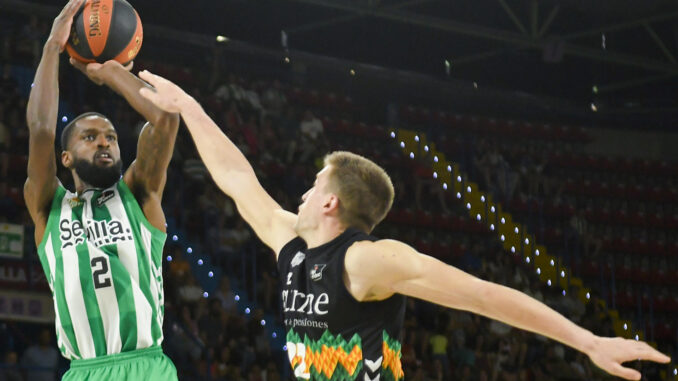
(105, 30)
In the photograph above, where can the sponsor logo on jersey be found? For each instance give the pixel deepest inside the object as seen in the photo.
(105, 196)
(298, 259)
(317, 272)
(310, 304)
(74, 202)
(99, 233)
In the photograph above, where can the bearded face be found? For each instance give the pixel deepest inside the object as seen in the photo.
(97, 175)
(92, 151)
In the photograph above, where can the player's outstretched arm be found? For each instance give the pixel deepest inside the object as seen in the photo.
(147, 175)
(378, 269)
(229, 168)
(41, 117)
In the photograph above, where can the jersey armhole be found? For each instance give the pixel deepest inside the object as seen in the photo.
(131, 199)
(59, 194)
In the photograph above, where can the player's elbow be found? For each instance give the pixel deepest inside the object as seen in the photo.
(241, 184)
(40, 131)
(482, 296)
(38, 126)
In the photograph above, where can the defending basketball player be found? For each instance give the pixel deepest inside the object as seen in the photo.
(342, 290)
(100, 246)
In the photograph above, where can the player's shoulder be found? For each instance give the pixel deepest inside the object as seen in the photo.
(369, 252)
(374, 246)
(381, 254)
(378, 262)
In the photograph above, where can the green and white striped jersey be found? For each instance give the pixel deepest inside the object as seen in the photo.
(102, 260)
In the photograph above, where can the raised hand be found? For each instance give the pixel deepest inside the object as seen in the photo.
(61, 28)
(608, 353)
(167, 96)
(97, 72)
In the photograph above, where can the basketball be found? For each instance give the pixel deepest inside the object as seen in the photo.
(105, 30)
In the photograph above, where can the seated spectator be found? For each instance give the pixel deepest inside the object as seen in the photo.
(9, 207)
(211, 323)
(274, 100)
(179, 268)
(190, 292)
(580, 230)
(8, 85)
(311, 127)
(225, 295)
(40, 360)
(9, 369)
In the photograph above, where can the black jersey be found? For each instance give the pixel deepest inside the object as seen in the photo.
(331, 335)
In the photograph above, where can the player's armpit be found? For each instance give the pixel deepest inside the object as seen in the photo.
(38, 196)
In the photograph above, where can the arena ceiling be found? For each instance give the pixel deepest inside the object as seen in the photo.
(619, 54)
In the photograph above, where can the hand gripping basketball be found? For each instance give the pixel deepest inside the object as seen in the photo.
(105, 30)
(61, 28)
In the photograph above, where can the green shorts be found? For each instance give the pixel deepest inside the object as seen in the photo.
(148, 364)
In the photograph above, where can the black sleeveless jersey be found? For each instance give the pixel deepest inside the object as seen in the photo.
(331, 335)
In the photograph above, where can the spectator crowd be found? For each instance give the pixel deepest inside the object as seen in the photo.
(210, 337)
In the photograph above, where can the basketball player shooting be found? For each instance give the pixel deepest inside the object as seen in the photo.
(342, 289)
(100, 246)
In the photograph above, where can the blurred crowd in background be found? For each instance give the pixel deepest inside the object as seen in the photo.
(285, 135)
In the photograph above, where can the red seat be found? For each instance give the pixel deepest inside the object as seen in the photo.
(423, 246)
(311, 98)
(441, 117)
(639, 246)
(345, 103)
(295, 94)
(671, 222)
(656, 248)
(637, 219)
(636, 192)
(442, 250)
(344, 126)
(590, 268)
(423, 218)
(619, 190)
(661, 303)
(625, 299)
(329, 125)
(423, 115)
(444, 221)
(329, 100)
(664, 331)
(360, 129)
(624, 272)
(655, 220)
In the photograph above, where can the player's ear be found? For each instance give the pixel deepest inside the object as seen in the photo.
(331, 205)
(66, 159)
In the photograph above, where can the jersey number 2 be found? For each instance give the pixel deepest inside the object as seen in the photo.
(101, 278)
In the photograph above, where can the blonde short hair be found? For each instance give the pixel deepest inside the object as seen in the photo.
(364, 189)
